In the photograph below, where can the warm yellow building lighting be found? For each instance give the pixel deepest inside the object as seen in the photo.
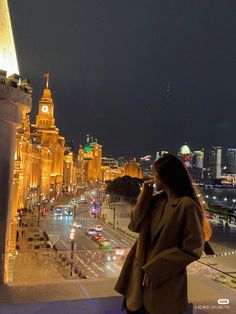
(8, 59)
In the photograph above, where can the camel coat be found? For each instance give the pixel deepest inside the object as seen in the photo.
(170, 237)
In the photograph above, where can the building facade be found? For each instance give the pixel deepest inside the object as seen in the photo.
(45, 133)
(14, 102)
(215, 167)
(90, 159)
(231, 161)
(133, 169)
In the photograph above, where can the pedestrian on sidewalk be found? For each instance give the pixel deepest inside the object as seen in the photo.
(172, 230)
(22, 233)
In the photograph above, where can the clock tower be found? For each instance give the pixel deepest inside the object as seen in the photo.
(45, 133)
(45, 118)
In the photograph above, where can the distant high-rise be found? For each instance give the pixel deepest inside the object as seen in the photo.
(160, 153)
(121, 161)
(231, 161)
(215, 157)
(198, 159)
(147, 166)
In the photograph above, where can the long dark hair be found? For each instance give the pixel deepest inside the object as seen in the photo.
(175, 176)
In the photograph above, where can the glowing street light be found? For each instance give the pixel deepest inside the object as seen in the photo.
(72, 238)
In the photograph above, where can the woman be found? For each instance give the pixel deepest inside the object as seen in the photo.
(172, 231)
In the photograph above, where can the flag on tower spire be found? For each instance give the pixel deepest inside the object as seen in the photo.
(8, 58)
(46, 75)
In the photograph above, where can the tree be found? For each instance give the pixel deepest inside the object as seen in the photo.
(126, 187)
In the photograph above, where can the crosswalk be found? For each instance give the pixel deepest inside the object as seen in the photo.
(87, 218)
(77, 219)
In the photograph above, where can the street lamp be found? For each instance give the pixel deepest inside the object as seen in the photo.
(39, 207)
(113, 206)
(72, 239)
(38, 213)
(27, 205)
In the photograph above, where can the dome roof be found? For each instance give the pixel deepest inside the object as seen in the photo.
(87, 147)
(185, 150)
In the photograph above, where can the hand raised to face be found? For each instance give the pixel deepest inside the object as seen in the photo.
(148, 186)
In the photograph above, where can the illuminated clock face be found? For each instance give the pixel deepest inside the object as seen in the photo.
(44, 108)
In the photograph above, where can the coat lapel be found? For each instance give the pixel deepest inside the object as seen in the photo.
(168, 209)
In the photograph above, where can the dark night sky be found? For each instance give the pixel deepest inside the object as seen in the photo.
(139, 75)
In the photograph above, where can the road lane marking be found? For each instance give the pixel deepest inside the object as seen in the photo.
(125, 242)
(114, 241)
(118, 267)
(81, 261)
(111, 238)
(107, 266)
(64, 244)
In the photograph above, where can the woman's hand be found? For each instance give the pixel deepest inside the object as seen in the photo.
(148, 186)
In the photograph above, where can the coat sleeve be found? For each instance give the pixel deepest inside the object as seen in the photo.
(140, 210)
(172, 260)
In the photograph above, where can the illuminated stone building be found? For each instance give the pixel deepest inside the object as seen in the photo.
(109, 173)
(133, 169)
(32, 169)
(110, 169)
(45, 133)
(14, 103)
(91, 159)
(71, 172)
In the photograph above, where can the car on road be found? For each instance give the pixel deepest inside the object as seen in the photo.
(90, 232)
(68, 212)
(58, 211)
(98, 237)
(110, 257)
(77, 225)
(119, 251)
(98, 228)
(106, 245)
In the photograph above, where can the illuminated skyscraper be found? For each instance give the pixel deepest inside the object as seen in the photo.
(231, 161)
(215, 162)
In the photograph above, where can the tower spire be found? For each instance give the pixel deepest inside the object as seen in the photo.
(8, 58)
(46, 75)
